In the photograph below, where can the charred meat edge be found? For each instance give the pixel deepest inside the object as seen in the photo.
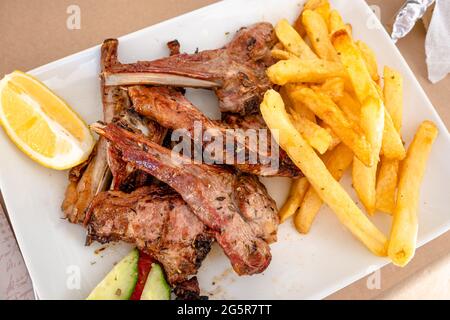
(235, 72)
(158, 221)
(172, 110)
(211, 192)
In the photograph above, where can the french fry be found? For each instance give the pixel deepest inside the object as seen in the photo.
(292, 41)
(329, 190)
(402, 244)
(388, 173)
(303, 111)
(332, 87)
(320, 6)
(350, 107)
(335, 139)
(327, 110)
(298, 26)
(315, 135)
(323, 6)
(305, 215)
(379, 90)
(296, 106)
(297, 70)
(317, 31)
(282, 54)
(305, 122)
(349, 28)
(387, 185)
(296, 195)
(372, 108)
(364, 178)
(335, 23)
(278, 46)
(370, 59)
(338, 161)
(392, 145)
(393, 96)
(323, 9)
(364, 182)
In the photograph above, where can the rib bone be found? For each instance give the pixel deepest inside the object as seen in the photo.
(236, 72)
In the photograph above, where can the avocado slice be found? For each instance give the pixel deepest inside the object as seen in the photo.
(119, 283)
(156, 287)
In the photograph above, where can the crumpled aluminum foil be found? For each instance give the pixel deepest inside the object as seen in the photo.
(407, 17)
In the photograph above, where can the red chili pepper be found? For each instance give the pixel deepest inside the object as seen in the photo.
(144, 266)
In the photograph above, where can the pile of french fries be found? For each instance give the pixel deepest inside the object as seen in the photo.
(332, 113)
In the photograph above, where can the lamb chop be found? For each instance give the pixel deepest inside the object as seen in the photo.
(250, 121)
(158, 221)
(256, 121)
(172, 110)
(117, 107)
(234, 206)
(94, 175)
(125, 176)
(85, 181)
(235, 72)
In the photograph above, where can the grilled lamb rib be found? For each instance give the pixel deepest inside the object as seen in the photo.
(125, 176)
(235, 207)
(172, 110)
(158, 221)
(255, 121)
(235, 72)
(94, 176)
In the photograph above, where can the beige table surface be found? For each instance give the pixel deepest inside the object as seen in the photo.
(34, 33)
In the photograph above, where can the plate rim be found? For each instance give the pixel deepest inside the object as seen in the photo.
(398, 56)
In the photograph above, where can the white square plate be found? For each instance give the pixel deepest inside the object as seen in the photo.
(311, 266)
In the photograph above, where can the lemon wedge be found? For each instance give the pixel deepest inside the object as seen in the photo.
(42, 125)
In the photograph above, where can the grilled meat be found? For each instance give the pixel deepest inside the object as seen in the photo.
(255, 121)
(250, 121)
(172, 110)
(174, 47)
(117, 107)
(189, 290)
(113, 98)
(236, 72)
(217, 196)
(82, 189)
(125, 176)
(177, 226)
(94, 176)
(158, 221)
